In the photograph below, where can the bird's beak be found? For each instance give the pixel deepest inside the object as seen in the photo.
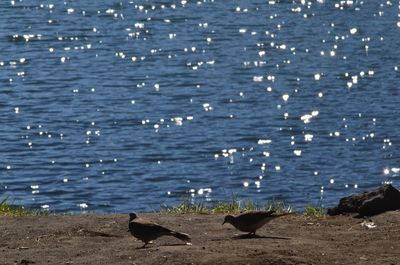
(223, 223)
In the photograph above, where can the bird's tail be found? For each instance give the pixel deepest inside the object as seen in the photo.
(181, 236)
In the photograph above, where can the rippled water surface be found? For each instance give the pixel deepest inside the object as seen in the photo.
(113, 106)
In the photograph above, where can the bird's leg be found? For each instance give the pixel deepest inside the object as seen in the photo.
(145, 244)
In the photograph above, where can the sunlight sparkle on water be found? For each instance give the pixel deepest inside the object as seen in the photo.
(308, 137)
(297, 152)
(264, 141)
(127, 79)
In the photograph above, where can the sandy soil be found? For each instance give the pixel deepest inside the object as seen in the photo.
(292, 239)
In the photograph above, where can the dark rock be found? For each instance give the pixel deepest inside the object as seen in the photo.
(368, 203)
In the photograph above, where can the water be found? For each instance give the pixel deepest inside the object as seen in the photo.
(129, 105)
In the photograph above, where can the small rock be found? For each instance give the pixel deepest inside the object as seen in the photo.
(368, 224)
(22, 247)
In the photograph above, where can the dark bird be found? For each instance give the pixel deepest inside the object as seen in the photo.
(251, 221)
(148, 231)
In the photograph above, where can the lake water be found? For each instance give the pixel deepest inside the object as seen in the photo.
(113, 106)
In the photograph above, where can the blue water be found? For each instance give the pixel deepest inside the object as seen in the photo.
(112, 106)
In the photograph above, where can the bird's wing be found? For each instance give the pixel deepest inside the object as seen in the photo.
(253, 220)
(150, 227)
(255, 216)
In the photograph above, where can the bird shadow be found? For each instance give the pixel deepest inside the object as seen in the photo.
(247, 236)
(152, 246)
(175, 245)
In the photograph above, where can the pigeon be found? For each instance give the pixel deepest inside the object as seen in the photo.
(251, 221)
(147, 231)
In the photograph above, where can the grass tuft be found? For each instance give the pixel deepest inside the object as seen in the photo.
(232, 206)
(7, 209)
(312, 211)
(279, 207)
(186, 207)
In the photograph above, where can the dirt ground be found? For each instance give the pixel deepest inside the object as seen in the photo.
(291, 239)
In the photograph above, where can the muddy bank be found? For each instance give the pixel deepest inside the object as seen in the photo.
(292, 239)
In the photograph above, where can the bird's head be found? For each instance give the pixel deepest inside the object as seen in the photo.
(132, 216)
(229, 219)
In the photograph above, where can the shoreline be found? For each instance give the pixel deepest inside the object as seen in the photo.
(291, 239)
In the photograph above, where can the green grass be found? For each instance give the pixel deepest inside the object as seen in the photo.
(231, 206)
(188, 206)
(279, 206)
(7, 209)
(312, 211)
(185, 208)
